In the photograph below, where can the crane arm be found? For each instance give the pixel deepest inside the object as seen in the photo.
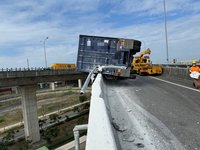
(147, 51)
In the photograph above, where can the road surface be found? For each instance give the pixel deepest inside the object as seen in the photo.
(148, 113)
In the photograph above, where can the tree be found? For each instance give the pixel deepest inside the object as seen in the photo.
(26, 145)
(54, 117)
(3, 146)
(9, 138)
(50, 133)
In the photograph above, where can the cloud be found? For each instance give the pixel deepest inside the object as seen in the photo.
(25, 24)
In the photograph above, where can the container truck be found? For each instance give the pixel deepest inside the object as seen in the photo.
(112, 56)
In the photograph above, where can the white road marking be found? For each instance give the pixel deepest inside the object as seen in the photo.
(176, 84)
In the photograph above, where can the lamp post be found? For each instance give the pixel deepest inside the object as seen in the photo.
(45, 56)
(166, 36)
(27, 63)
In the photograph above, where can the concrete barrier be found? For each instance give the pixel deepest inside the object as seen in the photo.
(176, 73)
(100, 134)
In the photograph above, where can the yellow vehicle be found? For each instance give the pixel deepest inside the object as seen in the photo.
(142, 64)
(63, 66)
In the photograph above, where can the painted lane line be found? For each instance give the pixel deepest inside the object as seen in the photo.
(176, 84)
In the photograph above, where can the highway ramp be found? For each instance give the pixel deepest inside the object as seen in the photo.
(147, 113)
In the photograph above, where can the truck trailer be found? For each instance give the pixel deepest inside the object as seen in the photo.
(113, 56)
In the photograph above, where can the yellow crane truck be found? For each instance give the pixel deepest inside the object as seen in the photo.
(142, 64)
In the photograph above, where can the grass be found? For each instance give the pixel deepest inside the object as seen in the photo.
(11, 118)
(2, 119)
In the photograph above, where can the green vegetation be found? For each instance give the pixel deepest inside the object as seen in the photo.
(50, 133)
(54, 117)
(65, 134)
(11, 117)
(7, 140)
(52, 137)
(26, 145)
(2, 119)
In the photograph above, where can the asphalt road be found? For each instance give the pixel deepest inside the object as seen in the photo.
(151, 114)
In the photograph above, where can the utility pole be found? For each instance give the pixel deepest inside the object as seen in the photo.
(166, 36)
(45, 55)
(27, 63)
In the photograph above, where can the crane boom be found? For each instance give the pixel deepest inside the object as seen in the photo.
(147, 51)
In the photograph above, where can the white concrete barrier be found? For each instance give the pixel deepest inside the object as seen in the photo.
(100, 135)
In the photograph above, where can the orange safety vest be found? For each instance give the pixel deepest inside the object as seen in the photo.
(194, 69)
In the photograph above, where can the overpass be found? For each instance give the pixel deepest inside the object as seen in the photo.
(12, 77)
(26, 80)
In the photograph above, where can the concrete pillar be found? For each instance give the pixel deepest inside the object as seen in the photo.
(29, 106)
(52, 86)
(80, 83)
(41, 85)
(15, 89)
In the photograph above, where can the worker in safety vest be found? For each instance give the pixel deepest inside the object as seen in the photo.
(194, 71)
(194, 67)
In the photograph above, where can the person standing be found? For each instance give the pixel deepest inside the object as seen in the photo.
(194, 67)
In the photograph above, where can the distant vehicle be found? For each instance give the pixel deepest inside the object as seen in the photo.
(142, 64)
(112, 55)
(63, 66)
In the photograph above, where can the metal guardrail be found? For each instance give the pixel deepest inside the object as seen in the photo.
(30, 69)
(31, 73)
(23, 69)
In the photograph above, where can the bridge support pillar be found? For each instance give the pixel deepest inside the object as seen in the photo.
(29, 106)
(80, 83)
(15, 89)
(52, 86)
(41, 85)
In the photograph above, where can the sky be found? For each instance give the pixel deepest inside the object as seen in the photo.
(25, 24)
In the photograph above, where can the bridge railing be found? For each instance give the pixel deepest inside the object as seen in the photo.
(28, 69)
(32, 73)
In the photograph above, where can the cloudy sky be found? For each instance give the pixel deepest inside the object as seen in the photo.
(24, 24)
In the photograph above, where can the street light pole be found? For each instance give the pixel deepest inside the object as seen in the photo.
(27, 63)
(166, 36)
(45, 56)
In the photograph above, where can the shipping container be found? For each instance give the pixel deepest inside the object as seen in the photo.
(63, 66)
(103, 51)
